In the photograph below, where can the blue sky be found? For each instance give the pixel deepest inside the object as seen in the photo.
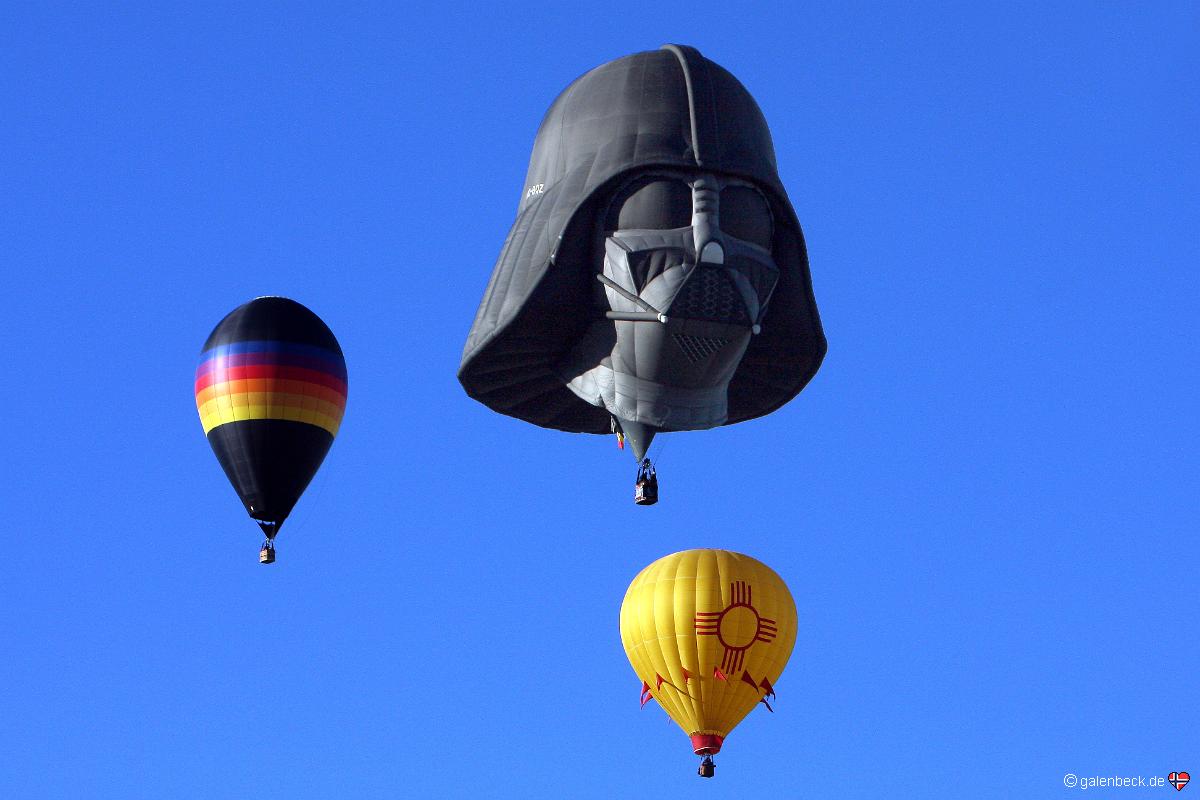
(985, 503)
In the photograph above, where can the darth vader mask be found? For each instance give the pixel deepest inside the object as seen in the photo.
(685, 276)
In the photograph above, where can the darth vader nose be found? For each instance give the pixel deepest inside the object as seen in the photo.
(706, 225)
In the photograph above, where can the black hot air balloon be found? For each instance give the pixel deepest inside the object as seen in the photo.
(271, 391)
(656, 277)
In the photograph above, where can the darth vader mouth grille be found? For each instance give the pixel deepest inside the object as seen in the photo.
(710, 295)
(698, 348)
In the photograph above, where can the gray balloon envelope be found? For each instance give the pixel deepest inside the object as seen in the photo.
(656, 273)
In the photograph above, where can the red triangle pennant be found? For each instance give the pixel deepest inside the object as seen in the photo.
(719, 675)
(646, 693)
(747, 679)
(687, 676)
(765, 685)
(661, 680)
(763, 700)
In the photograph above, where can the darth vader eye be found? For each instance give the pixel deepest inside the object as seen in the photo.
(746, 214)
(652, 203)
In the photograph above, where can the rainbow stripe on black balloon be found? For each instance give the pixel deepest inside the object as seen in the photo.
(254, 380)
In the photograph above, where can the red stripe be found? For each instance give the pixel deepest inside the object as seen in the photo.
(270, 371)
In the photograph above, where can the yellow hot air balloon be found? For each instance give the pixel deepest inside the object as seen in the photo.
(709, 633)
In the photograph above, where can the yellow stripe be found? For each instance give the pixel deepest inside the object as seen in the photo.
(247, 413)
(270, 405)
(223, 406)
(273, 385)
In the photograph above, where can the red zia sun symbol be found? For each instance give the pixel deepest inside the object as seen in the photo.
(737, 627)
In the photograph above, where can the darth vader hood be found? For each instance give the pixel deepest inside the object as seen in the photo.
(656, 276)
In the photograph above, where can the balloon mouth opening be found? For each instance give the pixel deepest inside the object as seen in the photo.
(707, 744)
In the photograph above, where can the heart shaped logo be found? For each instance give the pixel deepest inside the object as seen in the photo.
(1178, 780)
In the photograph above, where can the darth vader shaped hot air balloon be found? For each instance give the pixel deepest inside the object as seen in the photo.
(271, 391)
(656, 277)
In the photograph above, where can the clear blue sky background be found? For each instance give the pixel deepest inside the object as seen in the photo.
(985, 503)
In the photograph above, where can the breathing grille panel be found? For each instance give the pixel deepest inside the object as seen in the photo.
(698, 348)
(710, 295)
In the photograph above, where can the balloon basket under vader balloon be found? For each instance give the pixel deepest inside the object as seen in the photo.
(645, 490)
(266, 554)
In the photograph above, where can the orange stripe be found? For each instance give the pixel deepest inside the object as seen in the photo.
(279, 385)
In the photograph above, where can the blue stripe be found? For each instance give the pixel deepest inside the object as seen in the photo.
(336, 362)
